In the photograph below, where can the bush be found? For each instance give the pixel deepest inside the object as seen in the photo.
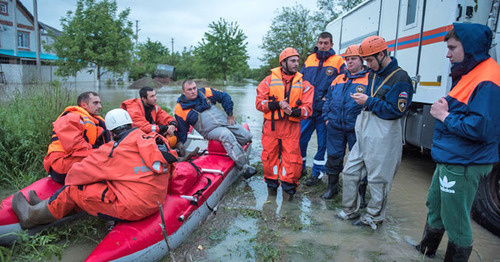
(25, 132)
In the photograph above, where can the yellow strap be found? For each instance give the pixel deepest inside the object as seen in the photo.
(385, 81)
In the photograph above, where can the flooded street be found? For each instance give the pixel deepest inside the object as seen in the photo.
(249, 226)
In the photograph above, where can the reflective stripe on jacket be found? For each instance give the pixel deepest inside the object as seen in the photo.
(277, 93)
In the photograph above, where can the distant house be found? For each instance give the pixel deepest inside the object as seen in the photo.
(18, 61)
(25, 52)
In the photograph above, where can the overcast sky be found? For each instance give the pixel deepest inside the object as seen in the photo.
(185, 21)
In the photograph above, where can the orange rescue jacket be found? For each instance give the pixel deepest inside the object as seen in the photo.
(64, 138)
(277, 93)
(136, 110)
(134, 171)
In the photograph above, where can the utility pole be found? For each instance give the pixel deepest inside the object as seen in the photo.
(16, 37)
(37, 43)
(172, 45)
(136, 32)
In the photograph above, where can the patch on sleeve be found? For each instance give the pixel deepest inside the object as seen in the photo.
(402, 104)
(329, 71)
(360, 89)
(403, 95)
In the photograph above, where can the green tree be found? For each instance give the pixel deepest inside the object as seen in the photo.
(294, 27)
(94, 36)
(148, 55)
(222, 50)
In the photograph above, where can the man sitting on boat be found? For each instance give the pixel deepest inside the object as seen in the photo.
(149, 117)
(77, 132)
(122, 180)
(197, 108)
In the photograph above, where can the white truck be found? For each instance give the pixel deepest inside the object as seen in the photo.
(415, 31)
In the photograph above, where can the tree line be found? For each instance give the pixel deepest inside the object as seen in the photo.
(96, 35)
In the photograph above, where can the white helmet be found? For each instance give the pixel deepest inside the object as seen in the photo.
(117, 117)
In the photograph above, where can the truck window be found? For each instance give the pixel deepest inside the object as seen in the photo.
(411, 13)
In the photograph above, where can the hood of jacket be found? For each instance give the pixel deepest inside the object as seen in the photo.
(476, 41)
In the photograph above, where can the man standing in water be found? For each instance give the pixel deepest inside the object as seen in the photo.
(284, 98)
(378, 149)
(340, 112)
(320, 69)
(465, 142)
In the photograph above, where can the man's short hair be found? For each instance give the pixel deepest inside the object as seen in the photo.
(85, 97)
(326, 35)
(451, 34)
(185, 82)
(143, 93)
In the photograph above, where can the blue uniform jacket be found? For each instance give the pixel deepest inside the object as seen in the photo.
(340, 109)
(320, 69)
(470, 133)
(393, 98)
(200, 104)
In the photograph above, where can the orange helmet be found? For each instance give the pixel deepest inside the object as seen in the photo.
(372, 45)
(352, 50)
(287, 52)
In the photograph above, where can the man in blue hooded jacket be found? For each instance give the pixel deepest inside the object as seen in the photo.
(465, 142)
(320, 69)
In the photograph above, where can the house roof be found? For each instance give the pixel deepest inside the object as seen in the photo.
(28, 54)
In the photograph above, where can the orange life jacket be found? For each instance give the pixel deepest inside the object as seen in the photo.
(277, 93)
(485, 71)
(90, 125)
(183, 113)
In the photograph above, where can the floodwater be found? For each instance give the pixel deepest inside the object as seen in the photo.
(249, 226)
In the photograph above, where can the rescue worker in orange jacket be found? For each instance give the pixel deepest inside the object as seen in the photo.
(122, 180)
(149, 117)
(284, 98)
(77, 132)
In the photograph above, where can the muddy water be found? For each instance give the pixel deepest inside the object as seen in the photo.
(250, 226)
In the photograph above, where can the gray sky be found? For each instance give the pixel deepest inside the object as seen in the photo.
(185, 21)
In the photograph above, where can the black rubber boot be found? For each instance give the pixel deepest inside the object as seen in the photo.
(31, 216)
(312, 180)
(181, 149)
(333, 186)
(189, 156)
(271, 191)
(303, 173)
(362, 193)
(430, 240)
(286, 196)
(249, 171)
(33, 198)
(456, 253)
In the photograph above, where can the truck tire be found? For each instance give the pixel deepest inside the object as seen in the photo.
(486, 207)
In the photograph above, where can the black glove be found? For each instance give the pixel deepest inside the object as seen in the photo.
(296, 112)
(273, 105)
(163, 129)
